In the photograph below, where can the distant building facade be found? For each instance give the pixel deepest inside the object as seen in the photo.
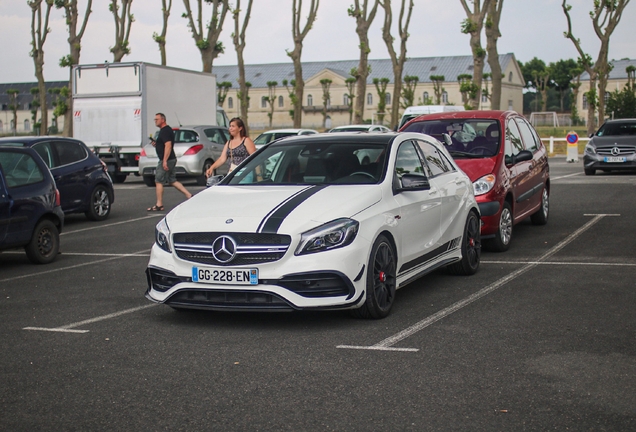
(339, 71)
(616, 81)
(24, 102)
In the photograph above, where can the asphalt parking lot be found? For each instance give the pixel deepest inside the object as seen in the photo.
(542, 337)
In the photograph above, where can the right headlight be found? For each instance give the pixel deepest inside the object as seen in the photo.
(162, 235)
(332, 235)
(484, 184)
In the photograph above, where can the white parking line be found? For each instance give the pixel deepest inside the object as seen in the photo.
(69, 328)
(387, 343)
(565, 176)
(113, 224)
(569, 263)
(141, 253)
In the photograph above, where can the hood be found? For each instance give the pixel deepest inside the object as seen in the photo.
(610, 141)
(476, 168)
(282, 209)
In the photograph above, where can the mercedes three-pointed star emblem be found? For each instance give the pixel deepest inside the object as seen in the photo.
(224, 249)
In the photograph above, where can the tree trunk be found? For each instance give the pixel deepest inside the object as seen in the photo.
(492, 36)
(299, 89)
(591, 107)
(363, 22)
(478, 69)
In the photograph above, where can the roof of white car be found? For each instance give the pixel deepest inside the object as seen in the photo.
(290, 131)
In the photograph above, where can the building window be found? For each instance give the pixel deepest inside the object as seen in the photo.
(584, 101)
(484, 97)
(607, 96)
(12, 126)
(27, 125)
(310, 100)
(281, 102)
(510, 77)
(445, 97)
(345, 99)
(369, 99)
(230, 102)
(387, 98)
(425, 98)
(264, 102)
(510, 107)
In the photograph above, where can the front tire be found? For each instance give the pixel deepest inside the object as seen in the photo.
(541, 215)
(381, 281)
(589, 171)
(471, 248)
(99, 204)
(45, 243)
(119, 178)
(501, 242)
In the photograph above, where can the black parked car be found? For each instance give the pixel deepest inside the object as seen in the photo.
(81, 177)
(30, 211)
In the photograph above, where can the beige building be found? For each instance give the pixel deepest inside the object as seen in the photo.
(617, 80)
(338, 71)
(24, 101)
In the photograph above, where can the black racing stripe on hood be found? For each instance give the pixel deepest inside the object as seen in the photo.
(273, 221)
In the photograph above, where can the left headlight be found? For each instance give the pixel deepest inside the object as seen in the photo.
(332, 235)
(590, 149)
(162, 235)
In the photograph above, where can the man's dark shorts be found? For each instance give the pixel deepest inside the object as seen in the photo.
(166, 177)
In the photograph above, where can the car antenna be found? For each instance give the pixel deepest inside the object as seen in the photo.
(178, 121)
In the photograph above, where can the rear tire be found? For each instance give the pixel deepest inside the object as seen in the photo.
(471, 248)
(541, 215)
(381, 281)
(150, 181)
(501, 242)
(589, 171)
(45, 243)
(119, 178)
(99, 204)
(203, 179)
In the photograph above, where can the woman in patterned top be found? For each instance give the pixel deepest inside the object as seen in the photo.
(237, 149)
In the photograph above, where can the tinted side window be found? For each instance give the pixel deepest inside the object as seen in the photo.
(46, 153)
(408, 161)
(185, 136)
(69, 152)
(435, 161)
(526, 133)
(514, 143)
(20, 169)
(215, 135)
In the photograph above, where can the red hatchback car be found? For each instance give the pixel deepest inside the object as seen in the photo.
(506, 161)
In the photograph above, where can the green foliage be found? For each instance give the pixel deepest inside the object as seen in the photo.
(66, 61)
(408, 90)
(380, 86)
(622, 104)
(468, 26)
(222, 88)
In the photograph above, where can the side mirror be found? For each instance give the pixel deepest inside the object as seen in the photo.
(413, 182)
(447, 139)
(523, 155)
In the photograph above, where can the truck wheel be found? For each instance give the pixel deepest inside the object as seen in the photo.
(119, 178)
(44, 244)
(150, 181)
(99, 205)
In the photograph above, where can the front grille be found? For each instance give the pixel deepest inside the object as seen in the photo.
(624, 150)
(228, 300)
(251, 248)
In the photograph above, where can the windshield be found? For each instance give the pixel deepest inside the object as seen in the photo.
(313, 163)
(266, 137)
(469, 137)
(617, 129)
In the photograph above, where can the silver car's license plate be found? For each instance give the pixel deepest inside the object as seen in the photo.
(225, 276)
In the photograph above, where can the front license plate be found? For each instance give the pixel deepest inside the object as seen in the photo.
(614, 159)
(225, 276)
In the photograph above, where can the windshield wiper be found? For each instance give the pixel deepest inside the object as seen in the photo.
(464, 154)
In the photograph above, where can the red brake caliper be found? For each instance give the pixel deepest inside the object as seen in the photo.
(471, 242)
(382, 276)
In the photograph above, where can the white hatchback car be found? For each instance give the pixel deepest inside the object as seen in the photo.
(301, 224)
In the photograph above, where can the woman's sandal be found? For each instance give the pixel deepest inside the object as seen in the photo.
(155, 208)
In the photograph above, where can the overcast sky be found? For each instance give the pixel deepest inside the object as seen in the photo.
(530, 28)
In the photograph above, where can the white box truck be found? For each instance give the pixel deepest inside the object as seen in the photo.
(114, 105)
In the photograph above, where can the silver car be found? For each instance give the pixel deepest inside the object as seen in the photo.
(196, 148)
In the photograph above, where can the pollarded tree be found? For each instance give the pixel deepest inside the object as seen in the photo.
(238, 37)
(290, 86)
(271, 99)
(35, 106)
(408, 91)
(468, 90)
(351, 95)
(123, 23)
(13, 107)
(206, 37)
(364, 17)
(296, 54)
(438, 80)
(222, 89)
(380, 87)
(397, 60)
(473, 25)
(485, 92)
(161, 38)
(325, 83)
(72, 15)
(605, 15)
(39, 32)
(492, 36)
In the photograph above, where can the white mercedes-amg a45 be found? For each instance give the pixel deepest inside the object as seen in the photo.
(328, 221)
